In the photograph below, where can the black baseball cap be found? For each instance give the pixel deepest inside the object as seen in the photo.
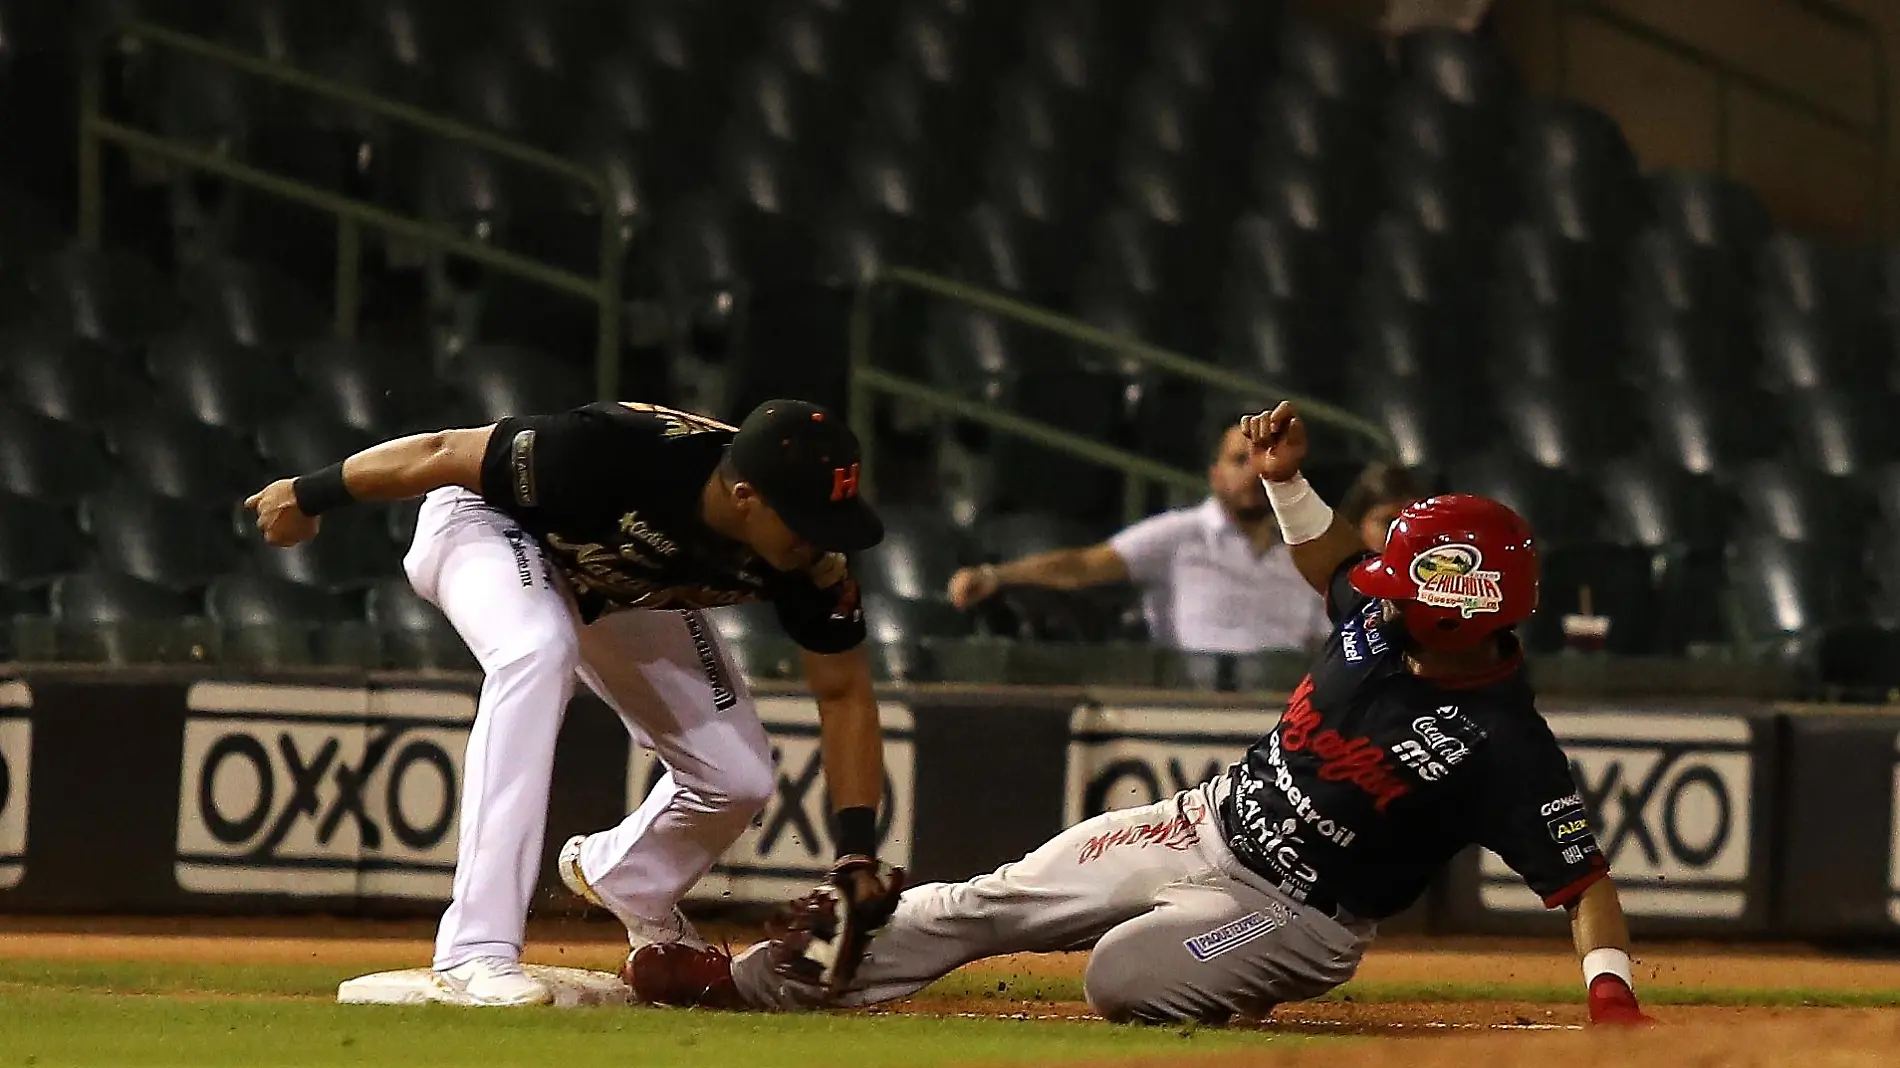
(804, 461)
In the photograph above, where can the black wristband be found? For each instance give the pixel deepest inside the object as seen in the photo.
(857, 831)
(321, 491)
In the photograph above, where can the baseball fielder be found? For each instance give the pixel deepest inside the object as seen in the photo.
(581, 546)
(1413, 736)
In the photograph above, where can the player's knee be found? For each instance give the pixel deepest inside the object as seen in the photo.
(539, 644)
(1118, 986)
(747, 783)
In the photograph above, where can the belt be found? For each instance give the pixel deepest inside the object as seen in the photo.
(1247, 851)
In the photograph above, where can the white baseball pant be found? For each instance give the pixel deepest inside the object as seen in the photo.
(665, 673)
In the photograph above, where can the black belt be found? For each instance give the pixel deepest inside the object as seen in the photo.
(1247, 851)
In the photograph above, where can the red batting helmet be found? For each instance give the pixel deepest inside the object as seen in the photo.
(1459, 567)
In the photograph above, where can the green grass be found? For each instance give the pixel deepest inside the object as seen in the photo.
(1001, 988)
(152, 1014)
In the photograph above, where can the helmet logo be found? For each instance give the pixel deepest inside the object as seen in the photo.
(1451, 576)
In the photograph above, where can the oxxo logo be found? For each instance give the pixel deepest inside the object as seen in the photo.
(788, 847)
(321, 791)
(1893, 850)
(1669, 797)
(16, 776)
(1128, 757)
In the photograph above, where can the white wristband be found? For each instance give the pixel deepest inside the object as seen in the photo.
(1302, 515)
(1607, 962)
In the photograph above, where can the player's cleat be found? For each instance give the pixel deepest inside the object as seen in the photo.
(640, 930)
(489, 981)
(682, 976)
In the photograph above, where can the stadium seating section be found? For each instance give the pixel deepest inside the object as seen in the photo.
(1685, 401)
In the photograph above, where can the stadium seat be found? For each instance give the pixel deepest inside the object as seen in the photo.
(1709, 210)
(1424, 435)
(1694, 431)
(53, 462)
(100, 616)
(68, 380)
(1561, 508)
(1837, 432)
(37, 543)
(755, 640)
(549, 39)
(1023, 256)
(377, 390)
(306, 441)
(503, 381)
(1788, 503)
(1342, 65)
(972, 352)
(1800, 350)
(269, 623)
(900, 632)
(170, 543)
(1194, 48)
(919, 553)
(1665, 268)
(1785, 591)
(1166, 117)
(251, 304)
(353, 553)
(220, 384)
(173, 455)
(1467, 70)
(1656, 505)
(112, 298)
(414, 633)
(1671, 348)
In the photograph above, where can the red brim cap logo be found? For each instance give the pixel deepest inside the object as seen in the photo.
(1452, 576)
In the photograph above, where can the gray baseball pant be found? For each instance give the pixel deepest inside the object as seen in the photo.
(1181, 931)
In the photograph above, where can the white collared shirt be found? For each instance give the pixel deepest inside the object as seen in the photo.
(1206, 589)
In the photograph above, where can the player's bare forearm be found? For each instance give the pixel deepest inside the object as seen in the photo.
(1597, 920)
(850, 739)
(1065, 569)
(1318, 560)
(411, 466)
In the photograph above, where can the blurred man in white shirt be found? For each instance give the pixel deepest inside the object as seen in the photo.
(1214, 578)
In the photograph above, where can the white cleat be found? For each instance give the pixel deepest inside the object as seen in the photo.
(495, 982)
(641, 931)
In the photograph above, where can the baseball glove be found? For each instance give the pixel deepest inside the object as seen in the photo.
(820, 939)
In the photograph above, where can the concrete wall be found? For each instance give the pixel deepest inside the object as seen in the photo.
(1788, 96)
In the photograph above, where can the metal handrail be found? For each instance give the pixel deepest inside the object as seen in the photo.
(1875, 132)
(604, 288)
(868, 381)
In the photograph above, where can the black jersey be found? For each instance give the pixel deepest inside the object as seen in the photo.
(613, 492)
(1374, 778)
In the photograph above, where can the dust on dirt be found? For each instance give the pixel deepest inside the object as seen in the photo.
(1500, 1033)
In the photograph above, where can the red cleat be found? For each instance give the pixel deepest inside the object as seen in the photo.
(676, 974)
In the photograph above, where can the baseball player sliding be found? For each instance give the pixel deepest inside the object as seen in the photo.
(1413, 736)
(539, 537)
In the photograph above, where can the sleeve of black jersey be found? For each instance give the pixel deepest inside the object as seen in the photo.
(821, 619)
(1342, 600)
(535, 464)
(1533, 816)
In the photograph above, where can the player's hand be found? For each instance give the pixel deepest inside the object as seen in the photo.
(279, 519)
(971, 586)
(1613, 1004)
(1278, 439)
(820, 939)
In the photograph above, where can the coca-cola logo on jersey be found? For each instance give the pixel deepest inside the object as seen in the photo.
(1353, 760)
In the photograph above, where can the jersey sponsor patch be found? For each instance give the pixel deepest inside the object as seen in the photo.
(1452, 576)
(1178, 834)
(722, 693)
(521, 466)
(1551, 808)
(1569, 830)
(1205, 947)
(1353, 760)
